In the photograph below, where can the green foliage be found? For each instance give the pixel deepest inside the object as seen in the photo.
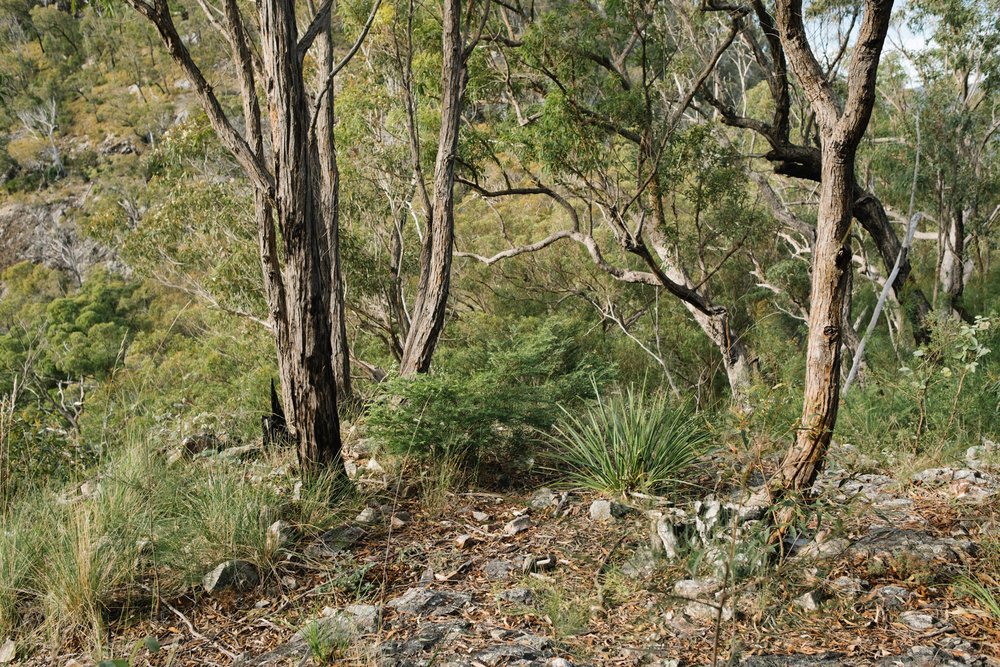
(151, 644)
(629, 442)
(939, 401)
(490, 400)
(987, 597)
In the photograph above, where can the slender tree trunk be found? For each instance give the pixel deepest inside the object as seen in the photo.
(830, 276)
(427, 319)
(841, 128)
(326, 150)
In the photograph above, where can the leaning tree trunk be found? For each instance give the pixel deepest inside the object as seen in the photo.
(830, 277)
(841, 128)
(427, 318)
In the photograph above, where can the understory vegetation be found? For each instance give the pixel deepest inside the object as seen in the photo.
(627, 313)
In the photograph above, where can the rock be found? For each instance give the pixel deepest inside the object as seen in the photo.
(708, 514)
(848, 585)
(7, 651)
(559, 662)
(810, 601)
(525, 648)
(367, 516)
(366, 616)
(480, 516)
(825, 660)
(825, 548)
(400, 653)
(700, 611)
(917, 621)
(517, 525)
(696, 588)
(375, 467)
(333, 542)
(289, 582)
(663, 537)
(425, 602)
(112, 145)
(543, 498)
(517, 596)
(279, 535)
(930, 656)
(352, 619)
(237, 574)
(891, 597)
(910, 545)
(497, 570)
(351, 468)
(867, 486)
(400, 519)
(607, 510)
(642, 564)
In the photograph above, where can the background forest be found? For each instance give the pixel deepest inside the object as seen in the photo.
(587, 322)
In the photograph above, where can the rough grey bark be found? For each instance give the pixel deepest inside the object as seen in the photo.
(290, 206)
(326, 151)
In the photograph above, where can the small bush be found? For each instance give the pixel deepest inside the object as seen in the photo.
(630, 441)
(491, 400)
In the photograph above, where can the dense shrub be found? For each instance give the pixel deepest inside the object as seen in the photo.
(489, 400)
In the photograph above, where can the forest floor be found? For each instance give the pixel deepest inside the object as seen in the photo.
(553, 578)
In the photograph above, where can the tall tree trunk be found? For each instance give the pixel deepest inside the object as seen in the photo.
(288, 194)
(427, 318)
(304, 331)
(841, 130)
(329, 202)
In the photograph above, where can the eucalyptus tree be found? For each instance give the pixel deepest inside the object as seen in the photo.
(595, 120)
(793, 137)
(459, 36)
(841, 121)
(950, 115)
(295, 183)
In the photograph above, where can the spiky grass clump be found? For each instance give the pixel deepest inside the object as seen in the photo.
(146, 527)
(629, 442)
(981, 594)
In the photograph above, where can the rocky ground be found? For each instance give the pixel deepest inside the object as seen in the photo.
(556, 578)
